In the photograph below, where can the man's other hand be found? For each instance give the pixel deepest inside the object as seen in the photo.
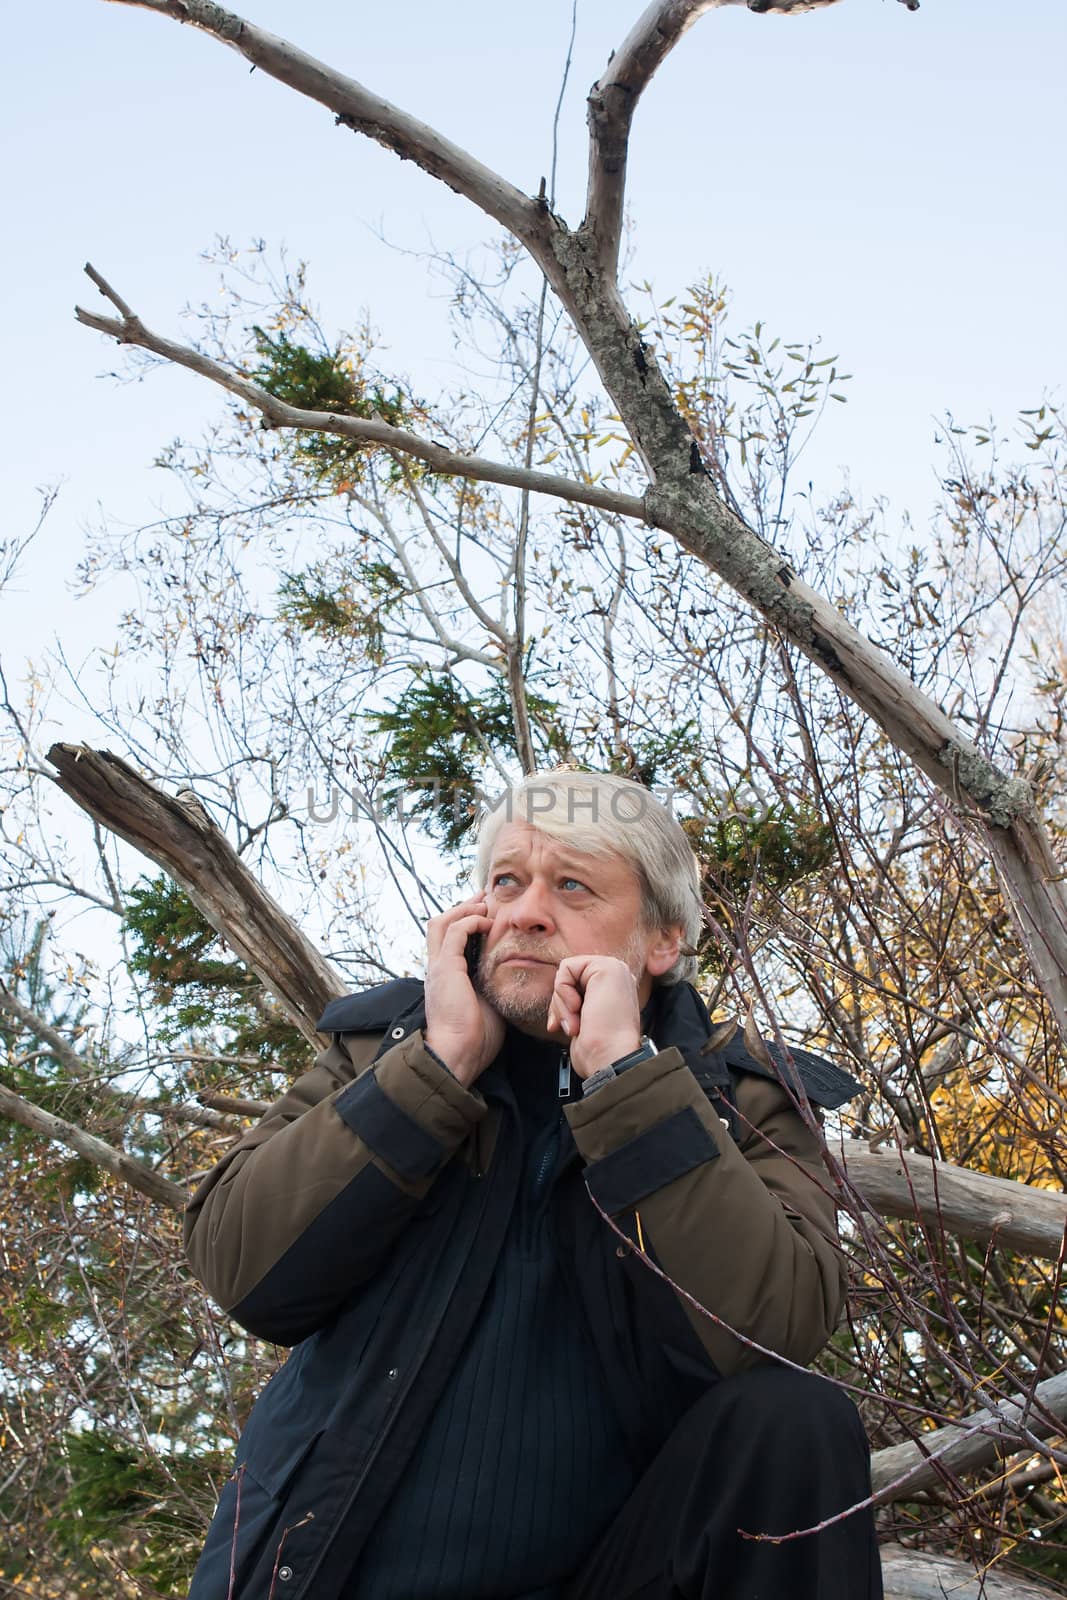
(461, 1026)
(595, 1006)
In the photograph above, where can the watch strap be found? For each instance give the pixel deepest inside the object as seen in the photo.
(644, 1052)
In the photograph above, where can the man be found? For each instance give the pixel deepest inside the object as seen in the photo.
(551, 1252)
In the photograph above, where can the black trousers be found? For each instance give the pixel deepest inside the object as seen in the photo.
(769, 1451)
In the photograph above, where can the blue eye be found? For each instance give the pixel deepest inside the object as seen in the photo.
(578, 881)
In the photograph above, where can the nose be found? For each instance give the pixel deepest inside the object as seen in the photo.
(532, 912)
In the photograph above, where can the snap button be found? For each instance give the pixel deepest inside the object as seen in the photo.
(397, 1033)
(620, 1249)
(725, 1122)
(394, 1373)
(285, 1573)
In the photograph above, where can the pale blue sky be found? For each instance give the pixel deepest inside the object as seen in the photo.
(891, 181)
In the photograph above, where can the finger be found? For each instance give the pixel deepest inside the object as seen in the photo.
(565, 1007)
(437, 928)
(439, 932)
(559, 1018)
(459, 933)
(460, 909)
(566, 991)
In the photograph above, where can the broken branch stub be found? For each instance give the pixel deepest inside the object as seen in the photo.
(180, 837)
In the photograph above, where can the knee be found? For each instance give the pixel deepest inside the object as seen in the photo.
(773, 1403)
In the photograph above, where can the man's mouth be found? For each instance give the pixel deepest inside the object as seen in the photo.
(538, 961)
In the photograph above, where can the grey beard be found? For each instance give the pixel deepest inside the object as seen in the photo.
(530, 1010)
(521, 1009)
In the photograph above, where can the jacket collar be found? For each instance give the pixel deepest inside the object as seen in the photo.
(674, 1015)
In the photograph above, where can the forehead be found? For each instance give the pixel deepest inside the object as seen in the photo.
(519, 844)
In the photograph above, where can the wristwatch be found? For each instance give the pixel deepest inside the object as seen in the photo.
(644, 1052)
(603, 1075)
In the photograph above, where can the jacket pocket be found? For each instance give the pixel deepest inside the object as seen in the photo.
(275, 1514)
(242, 1524)
(273, 1467)
(308, 1491)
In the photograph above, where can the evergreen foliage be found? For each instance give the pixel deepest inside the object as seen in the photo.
(202, 992)
(440, 735)
(353, 610)
(325, 380)
(143, 1501)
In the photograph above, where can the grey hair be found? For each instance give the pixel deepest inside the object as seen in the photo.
(599, 815)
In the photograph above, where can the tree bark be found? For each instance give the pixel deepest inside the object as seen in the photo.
(179, 836)
(918, 1575)
(954, 1200)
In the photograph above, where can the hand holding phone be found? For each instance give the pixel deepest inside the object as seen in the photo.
(462, 1027)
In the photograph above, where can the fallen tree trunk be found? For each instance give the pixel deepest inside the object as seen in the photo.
(179, 836)
(954, 1200)
(902, 1470)
(916, 1575)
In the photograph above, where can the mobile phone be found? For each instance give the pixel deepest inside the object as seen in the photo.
(473, 954)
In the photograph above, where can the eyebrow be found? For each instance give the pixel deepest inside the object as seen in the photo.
(589, 863)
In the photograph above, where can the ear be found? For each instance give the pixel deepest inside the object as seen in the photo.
(664, 950)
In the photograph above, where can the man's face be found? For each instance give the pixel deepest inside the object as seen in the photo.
(547, 902)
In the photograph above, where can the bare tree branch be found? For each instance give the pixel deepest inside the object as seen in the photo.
(356, 108)
(79, 1069)
(131, 330)
(974, 1442)
(610, 108)
(969, 1205)
(613, 101)
(88, 1146)
(683, 502)
(181, 837)
(196, 1116)
(42, 1030)
(462, 652)
(236, 1108)
(459, 578)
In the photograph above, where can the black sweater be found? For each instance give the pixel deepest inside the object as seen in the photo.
(522, 1464)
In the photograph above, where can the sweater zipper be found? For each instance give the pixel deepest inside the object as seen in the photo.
(548, 1160)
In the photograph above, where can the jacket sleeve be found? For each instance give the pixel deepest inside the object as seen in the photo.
(748, 1229)
(306, 1206)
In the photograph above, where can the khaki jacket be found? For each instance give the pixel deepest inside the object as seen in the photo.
(360, 1219)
